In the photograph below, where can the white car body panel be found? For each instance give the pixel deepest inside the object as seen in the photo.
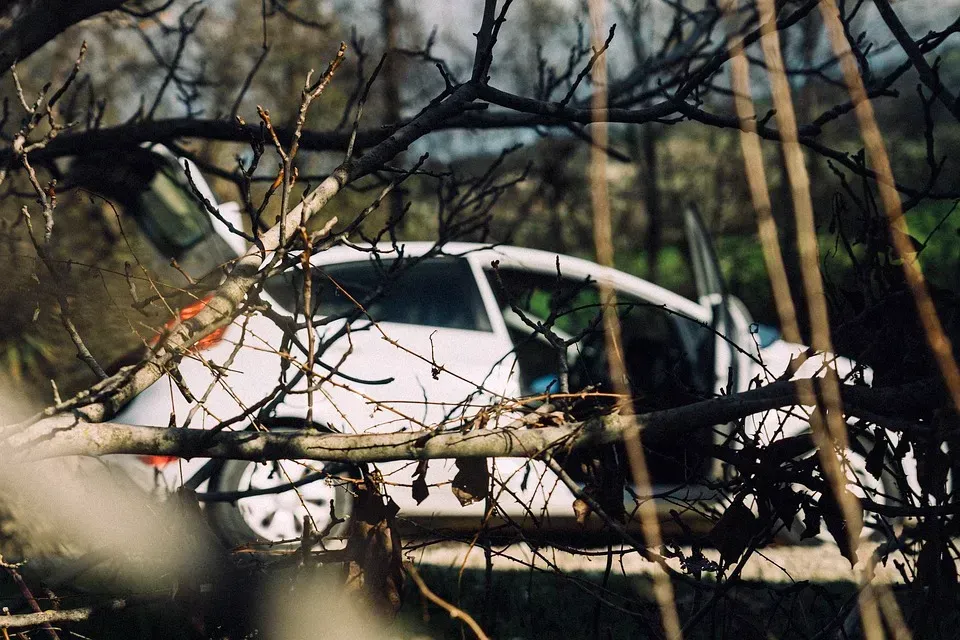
(776, 358)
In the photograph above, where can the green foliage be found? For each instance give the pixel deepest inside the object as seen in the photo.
(936, 226)
(672, 265)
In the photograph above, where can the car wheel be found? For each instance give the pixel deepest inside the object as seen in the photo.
(275, 517)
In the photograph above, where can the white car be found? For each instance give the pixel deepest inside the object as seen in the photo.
(413, 337)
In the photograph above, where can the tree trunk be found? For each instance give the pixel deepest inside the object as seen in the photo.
(390, 77)
(651, 190)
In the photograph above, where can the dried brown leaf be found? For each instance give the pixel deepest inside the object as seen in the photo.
(581, 510)
(472, 482)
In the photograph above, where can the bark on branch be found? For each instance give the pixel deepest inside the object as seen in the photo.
(66, 435)
(26, 620)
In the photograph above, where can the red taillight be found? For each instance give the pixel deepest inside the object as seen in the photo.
(188, 312)
(157, 461)
(193, 309)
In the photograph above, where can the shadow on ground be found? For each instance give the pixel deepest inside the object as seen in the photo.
(507, 604)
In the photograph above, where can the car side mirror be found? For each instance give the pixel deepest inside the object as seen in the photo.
(766, 334)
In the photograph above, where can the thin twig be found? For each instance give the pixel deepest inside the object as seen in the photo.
(455, 612)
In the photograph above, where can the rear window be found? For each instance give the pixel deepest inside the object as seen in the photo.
(169, 214)
(435, 292)
(153, 190)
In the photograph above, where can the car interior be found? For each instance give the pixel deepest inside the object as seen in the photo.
(663, 368)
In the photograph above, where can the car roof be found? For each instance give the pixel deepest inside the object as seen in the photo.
(535, 260)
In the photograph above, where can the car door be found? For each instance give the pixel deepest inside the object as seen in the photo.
(422, 325)
(735, 349)
(664, 338)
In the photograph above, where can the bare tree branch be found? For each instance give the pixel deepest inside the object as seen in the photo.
(70, 435)
(927, 74)
(43, 21)
(25, 620)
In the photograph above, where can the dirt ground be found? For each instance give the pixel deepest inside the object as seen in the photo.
(781, 564)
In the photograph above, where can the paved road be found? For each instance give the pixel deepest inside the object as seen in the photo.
(779, 564)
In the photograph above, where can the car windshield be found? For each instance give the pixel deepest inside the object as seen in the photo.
(435, 292)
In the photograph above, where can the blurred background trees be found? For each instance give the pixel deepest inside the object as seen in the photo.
(215, 61)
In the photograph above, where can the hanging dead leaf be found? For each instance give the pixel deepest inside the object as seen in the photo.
(811, 521)
(933, 469)
(838, 527)
(581, 510)
(785, 503)
(733, 531)
(375, 570)
(877, 455)
(472, 482)
(420, 489)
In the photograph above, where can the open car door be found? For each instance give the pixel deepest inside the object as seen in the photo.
(730, 319)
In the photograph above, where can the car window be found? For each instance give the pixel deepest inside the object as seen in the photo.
(170, 214)
(664, 353)
(435, 292)
(666, 365)
(153, 190)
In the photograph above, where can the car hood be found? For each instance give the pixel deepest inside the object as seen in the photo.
(776, 358)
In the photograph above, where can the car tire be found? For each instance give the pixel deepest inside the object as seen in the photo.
(276, 519)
